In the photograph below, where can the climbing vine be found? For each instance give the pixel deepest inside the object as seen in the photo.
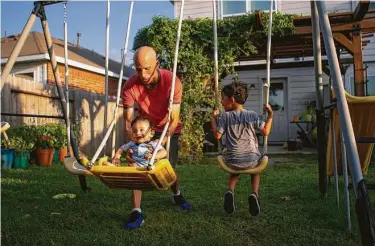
(237, 36)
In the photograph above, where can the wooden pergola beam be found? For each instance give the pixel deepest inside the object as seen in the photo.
(361, 10)
(344, 41)
(359, 75)
(366, 26)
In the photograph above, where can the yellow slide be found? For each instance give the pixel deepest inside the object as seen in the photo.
(362, 114)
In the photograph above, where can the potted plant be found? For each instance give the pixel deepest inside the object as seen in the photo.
(64, 150)
(22, 139)
(45, 145)
(22, 150)
(59, 133)
(7, 155)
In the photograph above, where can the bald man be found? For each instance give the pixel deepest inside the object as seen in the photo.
(150, 88)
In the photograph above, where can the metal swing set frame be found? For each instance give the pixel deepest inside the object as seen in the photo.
(320, 20)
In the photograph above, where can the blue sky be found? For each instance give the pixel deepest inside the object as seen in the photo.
(89, 19)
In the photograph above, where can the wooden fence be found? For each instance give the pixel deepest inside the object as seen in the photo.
(21, 96)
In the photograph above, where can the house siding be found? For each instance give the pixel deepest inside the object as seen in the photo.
(194, 9)
(203, 9)
(303, 7)
(84, 80)
(29, 67)
(300, 89)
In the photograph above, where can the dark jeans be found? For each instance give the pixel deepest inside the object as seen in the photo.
(173, 149)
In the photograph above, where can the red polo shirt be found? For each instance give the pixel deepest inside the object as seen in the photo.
(153, 103)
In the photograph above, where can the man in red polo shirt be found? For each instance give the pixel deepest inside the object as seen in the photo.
(150, 88)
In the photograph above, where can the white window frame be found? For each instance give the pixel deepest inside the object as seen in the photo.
(248, 9)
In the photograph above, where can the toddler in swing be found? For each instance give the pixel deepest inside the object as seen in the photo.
(239, 126)
(142, 146)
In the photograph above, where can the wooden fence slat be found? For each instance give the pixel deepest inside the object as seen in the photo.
(87, 109)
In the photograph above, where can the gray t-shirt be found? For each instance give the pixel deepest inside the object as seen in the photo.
(239, 128)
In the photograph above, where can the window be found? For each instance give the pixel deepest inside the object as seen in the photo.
(369, 86)
(277, 96)
(230, 8)
(28, 76)
(234, 7)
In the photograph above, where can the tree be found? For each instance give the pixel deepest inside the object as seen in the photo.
(237, 36)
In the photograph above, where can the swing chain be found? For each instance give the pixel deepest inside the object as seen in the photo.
(65, 12)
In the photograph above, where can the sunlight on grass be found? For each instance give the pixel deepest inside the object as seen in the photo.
(10, 181)
(292, 210)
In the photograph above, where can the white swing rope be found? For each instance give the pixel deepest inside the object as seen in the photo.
(113, 123)
(216, 62)
(106, 66)
(66, 78)
(266, 85)
(172, 90)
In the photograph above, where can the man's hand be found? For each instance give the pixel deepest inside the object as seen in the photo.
(129, 159)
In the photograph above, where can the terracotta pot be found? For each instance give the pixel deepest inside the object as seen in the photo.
(44, 156)
(63, 152)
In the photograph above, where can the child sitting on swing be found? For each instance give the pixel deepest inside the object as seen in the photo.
(142, 145)
(239, 126)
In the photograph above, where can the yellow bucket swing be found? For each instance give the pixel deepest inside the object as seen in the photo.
(159, 175)
(264, 161)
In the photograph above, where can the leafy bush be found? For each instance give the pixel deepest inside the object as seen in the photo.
(45, 136)
(237, 36)
(59, 133)
(22, 138)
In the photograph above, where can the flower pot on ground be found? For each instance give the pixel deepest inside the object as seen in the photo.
(45, 145)
(59, 133)
(55, 158)
(22, 141)
(64, 152)
(21, 160)
(7, 157)
(44, 156)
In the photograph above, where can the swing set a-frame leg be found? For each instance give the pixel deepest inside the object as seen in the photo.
(40, 12)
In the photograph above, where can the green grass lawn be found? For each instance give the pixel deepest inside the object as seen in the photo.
(292, 211)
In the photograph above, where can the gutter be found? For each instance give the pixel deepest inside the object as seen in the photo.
(72, 63)
(285, 60)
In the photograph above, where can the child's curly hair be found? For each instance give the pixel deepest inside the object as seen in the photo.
(143, 118)
(237, 90)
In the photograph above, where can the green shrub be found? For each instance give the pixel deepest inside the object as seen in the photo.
(22, 138)
(237, 36)
(45, 136)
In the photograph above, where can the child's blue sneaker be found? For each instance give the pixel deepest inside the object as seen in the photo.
(229, 202)
(180, 201)
(135, 220)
